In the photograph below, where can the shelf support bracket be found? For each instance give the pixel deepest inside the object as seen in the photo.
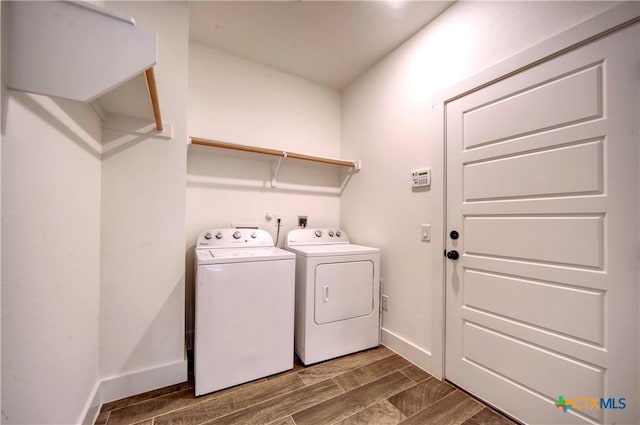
(349, 174)
(150, 77)
(275, 167)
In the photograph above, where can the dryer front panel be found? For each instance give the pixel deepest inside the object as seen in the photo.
(343, 291)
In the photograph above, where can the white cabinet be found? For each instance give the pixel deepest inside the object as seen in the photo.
(76, 50)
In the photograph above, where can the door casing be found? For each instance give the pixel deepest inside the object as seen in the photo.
(600, 26)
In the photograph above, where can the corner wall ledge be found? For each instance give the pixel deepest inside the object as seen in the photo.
(108, 50)
(136, 126)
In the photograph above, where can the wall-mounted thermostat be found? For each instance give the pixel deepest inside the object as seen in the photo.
(421, 177)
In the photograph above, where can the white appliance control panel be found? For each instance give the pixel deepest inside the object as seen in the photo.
(231, 238)
(420, 178)
(316, 236)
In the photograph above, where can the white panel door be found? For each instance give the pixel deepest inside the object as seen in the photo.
(543, 189)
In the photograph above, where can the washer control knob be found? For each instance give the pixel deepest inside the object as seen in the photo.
(254, 235)
(318, 233)
(331, 233)
(338, 233)
(208, 235)
(219, 235)
(237, 234)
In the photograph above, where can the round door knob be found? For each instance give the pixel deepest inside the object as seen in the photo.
(453, 255)
(237, 234)
(454, 235)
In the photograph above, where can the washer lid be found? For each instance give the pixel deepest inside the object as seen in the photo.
(329, 250)
(241, 255)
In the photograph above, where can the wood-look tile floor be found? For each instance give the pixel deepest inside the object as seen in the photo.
(371, 387)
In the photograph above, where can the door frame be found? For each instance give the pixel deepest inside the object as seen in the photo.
(610, 21)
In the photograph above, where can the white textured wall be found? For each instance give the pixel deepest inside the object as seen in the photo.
(50, 258)
(143, 185)
(385, 122)
(238, 101)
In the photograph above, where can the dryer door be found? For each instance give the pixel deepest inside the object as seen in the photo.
(343, 291)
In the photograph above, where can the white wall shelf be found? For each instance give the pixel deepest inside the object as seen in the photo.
(352, 165)
(76, 50)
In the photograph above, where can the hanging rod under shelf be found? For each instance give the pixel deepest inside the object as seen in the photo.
(266, 151)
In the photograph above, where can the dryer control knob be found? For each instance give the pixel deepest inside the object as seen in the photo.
(331, 233)
(254, 235)
(208, 235)
(338, 233)
(237, 234)
(219, 235)
(318, 233)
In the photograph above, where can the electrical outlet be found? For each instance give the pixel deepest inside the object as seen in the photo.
(385, 302)
(302, 221)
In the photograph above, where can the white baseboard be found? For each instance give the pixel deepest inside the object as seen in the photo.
(130, 384)
(416, 355)
(146, 380)
(134, 383)
(92, 408)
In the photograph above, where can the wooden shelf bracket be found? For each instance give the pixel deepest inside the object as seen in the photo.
(150, 76)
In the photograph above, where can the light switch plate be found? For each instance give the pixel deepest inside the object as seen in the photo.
(425, 232)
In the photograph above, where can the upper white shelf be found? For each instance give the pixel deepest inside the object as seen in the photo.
(352, 165)
(355, 165)
(74, 50)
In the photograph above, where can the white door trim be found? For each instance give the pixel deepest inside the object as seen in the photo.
(610, 21)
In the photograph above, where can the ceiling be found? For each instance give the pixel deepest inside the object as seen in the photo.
(330, 42)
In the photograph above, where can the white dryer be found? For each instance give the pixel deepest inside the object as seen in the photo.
(244, 303)
(337, 294)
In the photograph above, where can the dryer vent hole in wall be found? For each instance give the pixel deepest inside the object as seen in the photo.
(385, 303)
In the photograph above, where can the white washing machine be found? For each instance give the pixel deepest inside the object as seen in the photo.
(244, 308)
(337, 294)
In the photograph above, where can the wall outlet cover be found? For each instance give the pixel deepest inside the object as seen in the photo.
(385, 302)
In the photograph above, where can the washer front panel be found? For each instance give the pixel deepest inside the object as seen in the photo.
(244, 308)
